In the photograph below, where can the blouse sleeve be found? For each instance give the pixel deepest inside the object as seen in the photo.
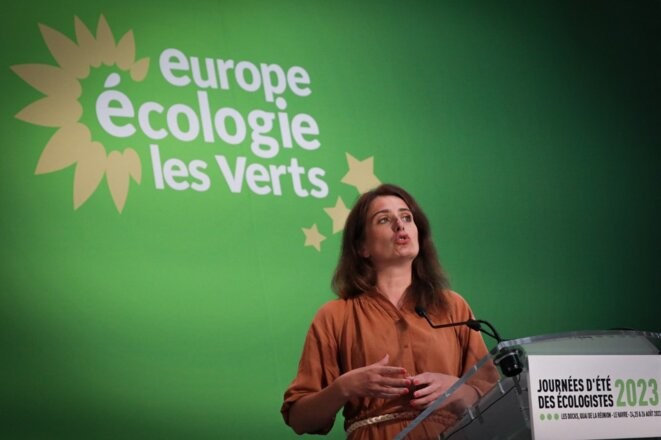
(318, 366)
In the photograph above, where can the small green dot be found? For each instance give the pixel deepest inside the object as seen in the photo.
(541, 416)
(549, 416)
(556, 416)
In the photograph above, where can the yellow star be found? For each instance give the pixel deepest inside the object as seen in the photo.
(361, 174)
(313, 237)
(338, 214)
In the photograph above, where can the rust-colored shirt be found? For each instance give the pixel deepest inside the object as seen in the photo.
(353, 333)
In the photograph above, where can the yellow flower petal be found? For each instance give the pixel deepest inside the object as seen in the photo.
(105, 42)
(133, 165)
(117, 174)
(52, 111)
(139, 69)
(65, 52)
(126, 51)
(89, 172)
(86, 43)
(63, 149)
(49, 80)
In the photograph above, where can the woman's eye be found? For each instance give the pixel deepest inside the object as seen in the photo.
(407, 218)
(383, 220)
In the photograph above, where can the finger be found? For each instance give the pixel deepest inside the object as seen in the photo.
(420, 379)
(423, 400)
(423, 392)
(433, 388)
(389, 392)
(395, 383)
(384, 360)
(390, 371)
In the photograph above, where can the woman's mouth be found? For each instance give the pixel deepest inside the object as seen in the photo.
(402, 239)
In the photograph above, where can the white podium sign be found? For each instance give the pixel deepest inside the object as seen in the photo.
(595, 397)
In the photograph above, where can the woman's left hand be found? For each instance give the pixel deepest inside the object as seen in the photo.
(428, 386)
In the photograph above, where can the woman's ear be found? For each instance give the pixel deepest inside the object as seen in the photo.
(363, 251)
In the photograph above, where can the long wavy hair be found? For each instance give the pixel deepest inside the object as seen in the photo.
(355, 274)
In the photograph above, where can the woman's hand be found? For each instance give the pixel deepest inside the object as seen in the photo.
(316, 411)
(428, 386)
(375, 380)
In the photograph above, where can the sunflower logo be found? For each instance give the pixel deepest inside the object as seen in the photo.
(72, 143)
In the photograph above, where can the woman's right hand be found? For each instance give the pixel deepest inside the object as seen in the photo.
(316, 411)
(375, 380)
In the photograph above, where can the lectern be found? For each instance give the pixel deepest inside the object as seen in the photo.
(577, 385)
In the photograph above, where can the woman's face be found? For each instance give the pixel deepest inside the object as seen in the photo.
(391, 235)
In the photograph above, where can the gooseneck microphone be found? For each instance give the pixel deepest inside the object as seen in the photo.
(474, 324)
(507, 359)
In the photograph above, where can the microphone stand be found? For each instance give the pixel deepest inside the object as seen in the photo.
(507, 359)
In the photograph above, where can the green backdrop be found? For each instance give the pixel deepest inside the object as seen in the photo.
(529, 133)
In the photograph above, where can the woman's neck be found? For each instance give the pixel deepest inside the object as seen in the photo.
(393, 282)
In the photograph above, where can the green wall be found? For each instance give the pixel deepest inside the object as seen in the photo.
(529, 133)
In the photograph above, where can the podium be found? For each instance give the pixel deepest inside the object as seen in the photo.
(576, 385)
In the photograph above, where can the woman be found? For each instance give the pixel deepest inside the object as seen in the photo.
(369, 352)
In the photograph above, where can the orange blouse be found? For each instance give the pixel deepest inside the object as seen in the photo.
(353, 333)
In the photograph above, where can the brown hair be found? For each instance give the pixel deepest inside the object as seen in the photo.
(355, 274)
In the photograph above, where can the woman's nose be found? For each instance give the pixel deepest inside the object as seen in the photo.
(398, 225)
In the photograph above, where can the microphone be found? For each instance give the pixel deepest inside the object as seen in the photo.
(473, 324)
(508, 360)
